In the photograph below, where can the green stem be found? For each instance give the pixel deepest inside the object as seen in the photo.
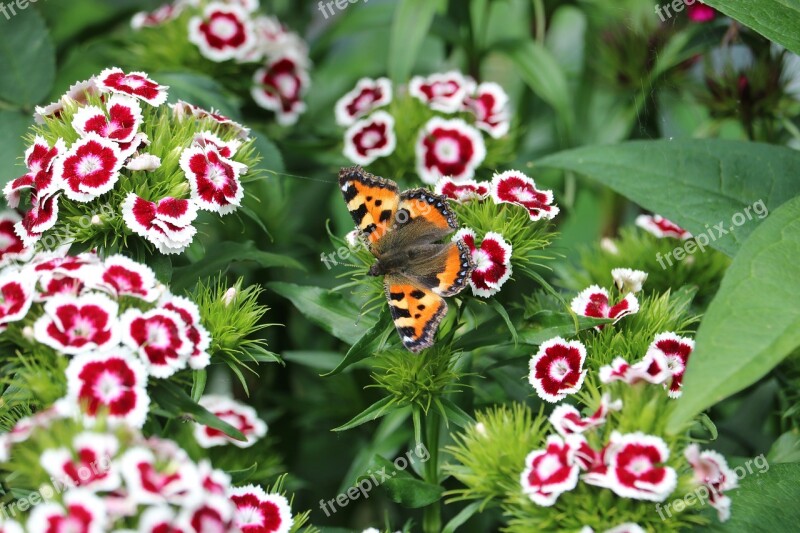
(432, 514)
(539, 18)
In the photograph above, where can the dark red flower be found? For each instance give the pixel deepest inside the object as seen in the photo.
(448, 148)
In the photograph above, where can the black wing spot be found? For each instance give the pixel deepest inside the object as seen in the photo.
(386, 214)
(421, 307)
(417, 295)
(396, 295)
(399, 312)
(378, 203)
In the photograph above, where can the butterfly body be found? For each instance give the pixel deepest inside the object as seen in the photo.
(404, 231)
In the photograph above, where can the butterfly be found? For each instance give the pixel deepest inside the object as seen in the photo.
(404, 232)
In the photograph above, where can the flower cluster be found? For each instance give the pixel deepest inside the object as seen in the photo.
(235, 32)
(447, 134)
(116, 322)
(118, 480)
(110, 144)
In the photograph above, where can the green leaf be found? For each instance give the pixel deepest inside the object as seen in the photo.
(327, 309)
(465, 514)
(453, 413)
(13, 127)
(696, 183)
(411, 22)
(368, 344)
(373, 412)
(199, 379)
(404, 488)
(174, 400)
(786, 449)
(754, 321)
(777, 20)
(27, 59)
(223, 254)
(542, 73)
(271, 158)
(500, 310)
(564, 326)
(240, 477)
(259, 354)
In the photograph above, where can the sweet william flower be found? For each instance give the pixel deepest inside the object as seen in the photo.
(136, 84)
(514, 187)
(280, 86)
(213, 179)
(41, 217)
(711, 470)
(492, 261)
(73, 325)
(157, 17)
(463, 191)
(594, 302)
(661, 227)
(11, 245)
(88, 464)
(197, 335)
(167, 223)
(557, 369)
(257, 511)
(371, 138)
(183, 110)
(152, 478)
(159, 337)
(124, 277)
(16, 295)
(81, 511)
(628, 280)
(367, 96)
(567, 420)
(119, 122)
(448, 148)
(489, 104)
(90, 168)
(550, 472)
(39, 159)
(242, 417)
(443, 92)
(675, 351)
(224, 32)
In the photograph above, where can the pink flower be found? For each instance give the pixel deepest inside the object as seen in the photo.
(16, 296)
(152, 479)
(74, 325)
(207, 139)
(711, 470)
(557, 369)
(367, 96)
(119, 122)
(550, 472)
(124, 277)
(448, 148)
(370, 138)
(279, 87)
(182, 110)
(635, 468)
(675, 351)
(10, 526)
(489, 104)
(224, 32)
(88, 464)
(213, 179)
(160, 519)
(166, 224)
(492, 261)
(567, 420)
(11, 245)
(198, 335)
(513, 187)
(701, 13)
(259, 512)
(159, 337)
(661, 227)
(463, 191)
(213, 515)
(90, 168)
(41, 217)
(39, 159)
(136, 84)
(112, 384)
(81, 512)
(593, 302)
(242, 417)
(159, 16)
(444, 92)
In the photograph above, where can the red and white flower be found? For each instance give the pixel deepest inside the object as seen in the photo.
(242, 417)
(39, 158)
(273, 39)
(513, 187)
(226, 149)
(448, 148)
(675, 351)
(119, 122)
(557, 369)
(16, 295)
(280, 86)
(160, 518)
(636, 467)
(567, 420)
(593, 302)
(711, 470)
(257, 511)
(367, 96)
(65, 284)
(224, 32)
(152, 479)
(167, 224)
(661, 227)
(489, 104)
(628, 280)
(181, 110)
(81, 512)
(11, 245)
(443, 92)
(90, 168)
(463, 191)
(370, 138)
(41, 217)
(89, 464)
(136, 84)
(492, 261)
(213, 515)
(198, 335)
(73, 325)
(144, 163)
(213, 179)
(652, 369)
(550, 472)
(160, 339)
(124, 277)
(157, 17)
(77, 93)
(110, 384)
(10, 526)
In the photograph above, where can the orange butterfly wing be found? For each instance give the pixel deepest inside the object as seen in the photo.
(416, 312)
(372, 201)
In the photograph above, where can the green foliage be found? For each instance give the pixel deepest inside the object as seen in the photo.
(775, 19)
(27, 60)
